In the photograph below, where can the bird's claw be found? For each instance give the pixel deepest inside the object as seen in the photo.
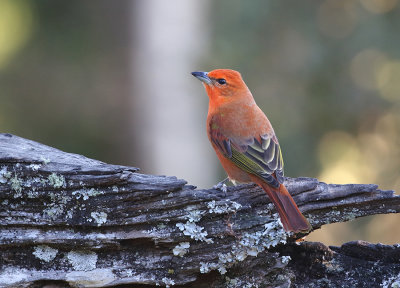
(222, 187)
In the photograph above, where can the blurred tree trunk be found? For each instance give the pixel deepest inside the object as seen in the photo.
(169, 107)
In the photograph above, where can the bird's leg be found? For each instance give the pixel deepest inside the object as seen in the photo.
(229, 226)
(222, 186)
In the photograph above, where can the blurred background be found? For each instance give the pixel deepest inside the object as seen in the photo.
(111, 80)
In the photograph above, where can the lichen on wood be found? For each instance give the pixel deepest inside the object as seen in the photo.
(68, 220)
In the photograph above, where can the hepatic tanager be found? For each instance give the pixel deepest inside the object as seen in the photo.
(245, 142)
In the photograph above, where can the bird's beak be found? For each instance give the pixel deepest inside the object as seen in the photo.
(202, 76)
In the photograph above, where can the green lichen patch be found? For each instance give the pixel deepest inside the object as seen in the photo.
(4, 175)
(34, 167)
(190, 228)
(16, 185)
(250, 244)
(129, 272)
(45, 253)
(194, 231)
(208, 267)
(285, 259)
(391, 282)
(57, 181)
(53, 211)
(82, 260)
(181, 249)
(85, 194)
(99, 217)
(57, 206)
(168, 282)
(195, 216)
(225, 207)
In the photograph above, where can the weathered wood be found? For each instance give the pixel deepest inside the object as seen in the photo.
(72, 221)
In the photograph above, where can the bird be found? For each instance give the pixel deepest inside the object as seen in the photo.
(245, 142)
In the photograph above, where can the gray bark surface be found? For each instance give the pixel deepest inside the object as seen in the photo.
(70, 221)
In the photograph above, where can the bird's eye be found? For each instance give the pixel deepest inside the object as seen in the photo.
(221, 81)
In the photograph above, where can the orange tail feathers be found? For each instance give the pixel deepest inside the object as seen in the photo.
(291, 217)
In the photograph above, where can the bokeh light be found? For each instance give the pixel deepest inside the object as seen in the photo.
(16, 26)
(379, 6)
(364, 157)
(388, 80)
(364, 68)
(340, 157)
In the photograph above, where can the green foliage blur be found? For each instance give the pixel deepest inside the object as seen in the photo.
(327, 74)
(63, 72)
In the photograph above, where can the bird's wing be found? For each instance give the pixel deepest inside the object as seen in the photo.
(261, 157)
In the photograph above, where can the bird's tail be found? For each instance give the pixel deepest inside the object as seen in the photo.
(291, 217)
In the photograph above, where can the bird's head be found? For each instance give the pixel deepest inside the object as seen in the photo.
(223, 84)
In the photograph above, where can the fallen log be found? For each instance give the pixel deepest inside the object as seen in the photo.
(71, 221)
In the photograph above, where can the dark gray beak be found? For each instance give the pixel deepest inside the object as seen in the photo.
(202, 76)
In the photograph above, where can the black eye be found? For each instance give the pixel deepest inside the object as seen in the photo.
(221, 81)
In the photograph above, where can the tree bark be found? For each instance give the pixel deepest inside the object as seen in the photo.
(70, 221)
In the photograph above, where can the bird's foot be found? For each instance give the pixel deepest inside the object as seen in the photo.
(221, 186)
(229, 227)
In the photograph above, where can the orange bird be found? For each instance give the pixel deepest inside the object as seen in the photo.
(245, 142)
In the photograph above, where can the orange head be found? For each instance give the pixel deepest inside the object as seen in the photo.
(223, 85)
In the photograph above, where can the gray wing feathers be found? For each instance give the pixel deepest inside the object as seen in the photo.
(268, 156)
